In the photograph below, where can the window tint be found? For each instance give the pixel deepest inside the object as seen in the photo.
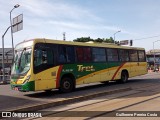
(66, 54)
(99, 54)
(133, 55)
(79, 52)
(39, 57)
(87, 54)
(141, 55)
(70, 54)
(43, 59)
(112, 54)
(123, 55)
(83, 54)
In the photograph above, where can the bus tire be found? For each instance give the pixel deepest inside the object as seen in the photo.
(66, 85)
(124, 77)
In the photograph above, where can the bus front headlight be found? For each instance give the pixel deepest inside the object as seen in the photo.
(27, 78)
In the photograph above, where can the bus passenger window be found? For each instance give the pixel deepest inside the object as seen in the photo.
(62, 54)
(83, 54)
(79, 51)
(141, 55)
(112, 55)
(99, 55)
(123, 55)
(43, 59)
(133, 55)
(37, 57)
(70, 54)
(66, 54)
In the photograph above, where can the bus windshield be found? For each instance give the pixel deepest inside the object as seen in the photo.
(22, 62)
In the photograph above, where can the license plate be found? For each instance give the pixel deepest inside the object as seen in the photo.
(16, 88)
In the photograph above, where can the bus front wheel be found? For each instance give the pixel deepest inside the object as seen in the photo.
(66, 85)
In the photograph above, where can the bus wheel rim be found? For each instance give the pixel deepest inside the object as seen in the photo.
(124, 77)
(67, 85)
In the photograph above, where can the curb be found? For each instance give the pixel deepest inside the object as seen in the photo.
(66, 101)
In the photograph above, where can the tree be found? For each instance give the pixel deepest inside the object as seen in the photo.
(83, 39)
(99, 40)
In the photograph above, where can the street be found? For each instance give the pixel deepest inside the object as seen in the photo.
(142, 101)
(143, 95)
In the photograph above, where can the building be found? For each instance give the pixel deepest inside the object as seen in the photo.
(8, 57)
(153, 58)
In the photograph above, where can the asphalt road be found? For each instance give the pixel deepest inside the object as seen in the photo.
(10, 99)
(142, 102)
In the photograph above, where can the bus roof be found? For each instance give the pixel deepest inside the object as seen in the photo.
(108, 45)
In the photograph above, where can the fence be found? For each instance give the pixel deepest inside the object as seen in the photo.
(6, 78)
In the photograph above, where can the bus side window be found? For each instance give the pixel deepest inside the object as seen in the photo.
(70, 54)
(37, 57)
(133, 55)
(79, 51)
(62, 54)
(123, 55)
(112, 55)
(43, 59)
(99, 54)
(83, 54)
(141, 55)
(66, 54)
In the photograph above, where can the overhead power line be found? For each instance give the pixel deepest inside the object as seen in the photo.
(146, 37)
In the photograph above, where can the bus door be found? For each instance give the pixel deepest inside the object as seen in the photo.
(43, 68)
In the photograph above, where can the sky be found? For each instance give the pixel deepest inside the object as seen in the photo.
(138, 20)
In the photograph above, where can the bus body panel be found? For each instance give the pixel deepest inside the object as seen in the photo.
(82, 72)
(46, 79)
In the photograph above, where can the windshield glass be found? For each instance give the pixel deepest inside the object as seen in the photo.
(22, 62)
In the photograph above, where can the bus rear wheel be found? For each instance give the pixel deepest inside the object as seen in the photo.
(124, 77)
(66, 85)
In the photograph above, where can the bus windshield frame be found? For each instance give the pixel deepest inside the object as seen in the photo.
(22, 62)
(22, 59)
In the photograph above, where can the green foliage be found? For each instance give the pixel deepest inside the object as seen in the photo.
(83, 39)
(98, 40)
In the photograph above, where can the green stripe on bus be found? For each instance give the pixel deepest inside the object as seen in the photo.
(83, 69)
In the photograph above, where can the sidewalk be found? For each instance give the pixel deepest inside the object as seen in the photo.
(150, 71)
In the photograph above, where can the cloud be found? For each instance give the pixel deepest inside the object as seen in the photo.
(49, 19)
(57, 10)
(84, 26)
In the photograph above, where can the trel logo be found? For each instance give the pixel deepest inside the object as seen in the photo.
(82, 68)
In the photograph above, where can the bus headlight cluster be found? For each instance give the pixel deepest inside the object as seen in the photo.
(27, 78)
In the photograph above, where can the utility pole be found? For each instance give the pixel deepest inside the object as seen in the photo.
(16, 6)
(3, 55)
(64, 36)
(115, 34)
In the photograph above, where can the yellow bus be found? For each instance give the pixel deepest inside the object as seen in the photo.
(44, 64)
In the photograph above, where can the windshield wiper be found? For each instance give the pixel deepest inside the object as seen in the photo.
(19, 59)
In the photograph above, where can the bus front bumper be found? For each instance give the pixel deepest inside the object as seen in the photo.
(29, 86)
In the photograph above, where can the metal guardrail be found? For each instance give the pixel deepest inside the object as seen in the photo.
(6, 79)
